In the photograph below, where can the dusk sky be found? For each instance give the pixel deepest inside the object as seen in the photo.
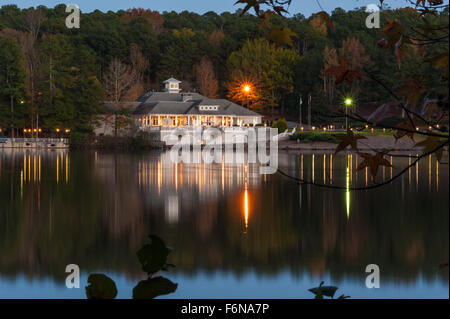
(201, 6)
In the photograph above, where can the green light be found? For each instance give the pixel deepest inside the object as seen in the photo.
(348, 101)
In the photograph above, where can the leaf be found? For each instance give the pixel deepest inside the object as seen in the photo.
(281, 35)
(430, 144)
(346, 140)
(250, 4)
(406, 125)
(412, 89)
(153, 287)
(373, 162)
(101, 287)
(343, 71)
(394, 31)
(265, 18)
(153, 256)
(280, 10)
(441, 61)
(429, 108)
(321, 291)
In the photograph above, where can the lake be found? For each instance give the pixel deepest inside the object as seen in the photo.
(234, 232)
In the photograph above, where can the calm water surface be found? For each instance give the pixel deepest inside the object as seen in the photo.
(234, 233)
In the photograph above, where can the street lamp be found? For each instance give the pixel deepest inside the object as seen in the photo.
(246, 90)
(348, 102)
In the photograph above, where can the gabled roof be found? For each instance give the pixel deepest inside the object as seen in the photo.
(188, 103)
(171, 80)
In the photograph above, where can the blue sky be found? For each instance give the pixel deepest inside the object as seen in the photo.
(305, 7)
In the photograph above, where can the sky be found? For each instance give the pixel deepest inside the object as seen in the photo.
(306, 7)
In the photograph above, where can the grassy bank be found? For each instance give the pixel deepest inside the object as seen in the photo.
(308, 136)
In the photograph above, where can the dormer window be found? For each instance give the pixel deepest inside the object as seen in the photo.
(209, 108)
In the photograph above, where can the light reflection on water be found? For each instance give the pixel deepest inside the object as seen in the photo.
(95, 209)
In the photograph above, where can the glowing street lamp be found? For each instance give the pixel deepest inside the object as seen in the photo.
(348, 102)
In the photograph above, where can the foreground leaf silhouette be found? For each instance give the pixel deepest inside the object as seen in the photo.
(343, 72)
(153, 256)
(281, 36)
(373, 162)
(101, 287)
(430, 144)
(153, 287)
(346, 140)
(321, 291)
(403, 126)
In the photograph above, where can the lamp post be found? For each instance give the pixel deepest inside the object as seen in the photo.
(348, 103)
(246, 90)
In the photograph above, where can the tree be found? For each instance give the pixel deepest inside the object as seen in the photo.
(118, 80)
(12, 82)
(140, 66)
(153, 17)
(270, 66)
(206, 78)
(329, 58)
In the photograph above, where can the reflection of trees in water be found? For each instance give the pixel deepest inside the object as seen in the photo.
(99, 218)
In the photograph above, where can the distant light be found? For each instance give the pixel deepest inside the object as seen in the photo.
(367, 126)
(348, 101)
(57, 130)
(22, 101)
(34, 130)
(247, 88)
(40, 130)
(313, 128)
(302, 128)
(417, 128)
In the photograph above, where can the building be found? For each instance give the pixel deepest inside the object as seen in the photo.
(172, 108)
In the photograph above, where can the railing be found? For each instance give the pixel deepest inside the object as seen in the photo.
(34, 142)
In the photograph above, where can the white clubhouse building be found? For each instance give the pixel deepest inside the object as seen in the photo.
(172, 108)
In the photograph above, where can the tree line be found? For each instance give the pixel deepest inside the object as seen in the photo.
(54, 77)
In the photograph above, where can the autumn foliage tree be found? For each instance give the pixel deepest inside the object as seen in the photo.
(153, 17)
(269, 66)
(206, 78)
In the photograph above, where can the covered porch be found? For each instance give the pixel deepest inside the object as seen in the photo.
(146, 121)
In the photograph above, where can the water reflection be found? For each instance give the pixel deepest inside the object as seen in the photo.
(96, 209)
